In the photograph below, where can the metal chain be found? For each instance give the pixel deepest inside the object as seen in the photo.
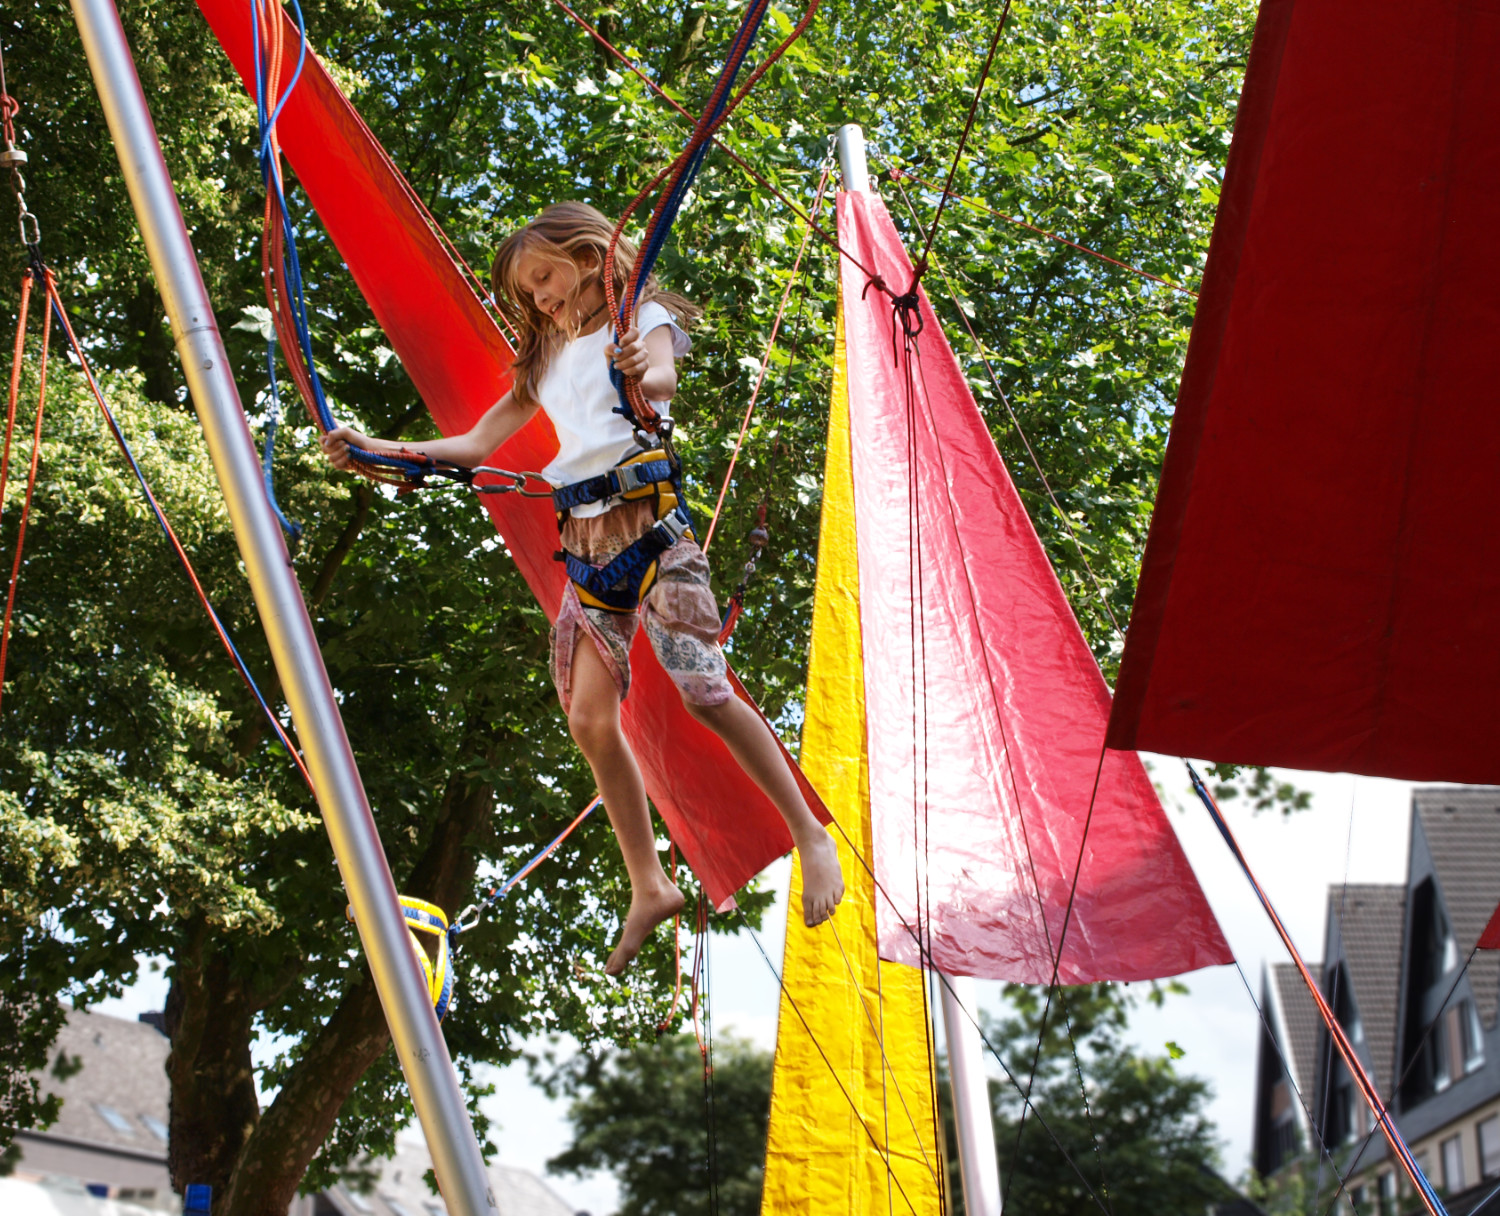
(12, 158)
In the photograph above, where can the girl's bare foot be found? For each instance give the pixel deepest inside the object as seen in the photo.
(822, 879)
(646, 912)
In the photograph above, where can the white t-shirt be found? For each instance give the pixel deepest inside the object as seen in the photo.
(577, 394)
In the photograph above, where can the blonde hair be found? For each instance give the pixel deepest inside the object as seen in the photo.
(564, 231)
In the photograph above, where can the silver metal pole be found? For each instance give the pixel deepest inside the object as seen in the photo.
(419, 1042)
(853, 166)
(971, 1099)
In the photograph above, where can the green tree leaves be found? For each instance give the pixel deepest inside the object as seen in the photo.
(141, 809)
(645, 1115)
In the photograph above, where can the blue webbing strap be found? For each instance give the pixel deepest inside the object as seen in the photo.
(628, 569)
(609, 485)
(677, 190)
(266, 121)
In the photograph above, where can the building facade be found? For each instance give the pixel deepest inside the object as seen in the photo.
(1418, 1004)
(109, 1144)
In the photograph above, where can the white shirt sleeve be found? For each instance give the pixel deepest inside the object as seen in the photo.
(652, 315)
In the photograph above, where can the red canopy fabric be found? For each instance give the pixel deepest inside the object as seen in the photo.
(1321, 586)
(985, 710)
(459, 362)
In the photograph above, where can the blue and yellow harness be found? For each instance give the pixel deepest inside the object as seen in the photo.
(622, 583)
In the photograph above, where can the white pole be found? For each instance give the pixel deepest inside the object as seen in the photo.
(853, 166)
(970, 1087)
(435, 1091)
(972, 1113)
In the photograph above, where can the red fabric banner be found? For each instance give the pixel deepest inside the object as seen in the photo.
(985, 710)
(459, 362)
(1321, 587)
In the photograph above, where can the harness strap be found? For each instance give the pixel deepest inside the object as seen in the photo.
(618, 585)
(619, 481)
(428, 918)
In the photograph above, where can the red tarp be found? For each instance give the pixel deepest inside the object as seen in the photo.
(1321, 587)
(459, 362)
(985, 710)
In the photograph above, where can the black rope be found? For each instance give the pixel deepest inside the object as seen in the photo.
(885, 1063)
(1027, 1103)
(927, 962)
(908, 312)
(1302, 1099)
(1410, 1064)
(709, 1095)
(921, 264)
(1333, 1000)
(1015, 422)
(813, 1038)
(1083, 1092)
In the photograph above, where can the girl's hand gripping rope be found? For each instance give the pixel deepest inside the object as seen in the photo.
(647, 360)
(629, 354)
(337, 442)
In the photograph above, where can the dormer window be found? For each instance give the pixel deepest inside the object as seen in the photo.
(1345, 1009)
(1443, 1036)
(1433, 937)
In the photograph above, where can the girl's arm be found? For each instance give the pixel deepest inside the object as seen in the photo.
(495, 426)
(650, 358)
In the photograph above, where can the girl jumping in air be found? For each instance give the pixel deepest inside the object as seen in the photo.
(618, 502)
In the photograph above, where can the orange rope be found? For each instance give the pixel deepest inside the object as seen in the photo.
(976, 205)
(55, 300)
(765, 362)
(703, 132)
(15, 383)
(676, 954)
(36, 452)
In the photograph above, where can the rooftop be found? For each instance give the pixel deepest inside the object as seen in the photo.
(112, 1077)
(1370, 918)
(1462, 829)
(1299, 1016)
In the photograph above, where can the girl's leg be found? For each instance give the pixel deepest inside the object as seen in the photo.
(594, 720)
(751, 743)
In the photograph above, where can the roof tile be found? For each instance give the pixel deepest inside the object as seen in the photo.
(1462, 827)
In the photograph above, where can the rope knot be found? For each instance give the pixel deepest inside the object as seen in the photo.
(908, 309)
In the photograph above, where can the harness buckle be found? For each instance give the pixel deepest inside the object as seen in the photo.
(627, 477)
(661, 437)
(673, 526)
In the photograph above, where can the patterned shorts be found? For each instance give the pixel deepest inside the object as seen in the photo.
(680, 612)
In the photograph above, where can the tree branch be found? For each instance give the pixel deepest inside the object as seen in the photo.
(338, 553)
(292, 1129)
(690, 40)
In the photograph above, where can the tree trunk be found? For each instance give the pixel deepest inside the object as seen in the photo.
(149, 339)
(214, 1107)
(274, 1156)
(690, 39)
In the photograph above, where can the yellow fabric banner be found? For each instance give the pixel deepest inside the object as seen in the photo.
(839, 1112)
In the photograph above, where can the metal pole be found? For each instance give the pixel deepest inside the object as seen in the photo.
(971, 1099)
(419, 1042)
(853, 167)
(971, 1093)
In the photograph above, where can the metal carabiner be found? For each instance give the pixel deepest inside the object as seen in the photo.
(518, 482)
(466, 920)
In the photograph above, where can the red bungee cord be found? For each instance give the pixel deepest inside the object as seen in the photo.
(36, 450)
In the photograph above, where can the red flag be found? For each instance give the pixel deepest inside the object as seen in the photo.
(985, 710)
(1490, 938)
(459, 362)
(1321, 588)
